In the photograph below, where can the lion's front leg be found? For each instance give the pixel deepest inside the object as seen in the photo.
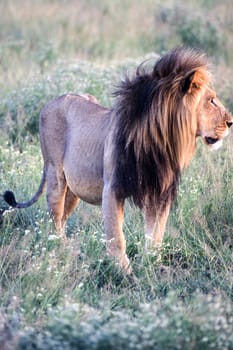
(155, 222)
(113, 213)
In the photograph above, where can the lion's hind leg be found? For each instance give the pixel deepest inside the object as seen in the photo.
(56, 193)
(71, 202)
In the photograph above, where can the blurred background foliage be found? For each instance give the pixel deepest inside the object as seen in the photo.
(50, 47)
(34, 35)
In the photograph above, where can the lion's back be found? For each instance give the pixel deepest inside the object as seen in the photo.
(70, 114)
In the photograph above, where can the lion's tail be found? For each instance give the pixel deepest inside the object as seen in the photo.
(9, 196)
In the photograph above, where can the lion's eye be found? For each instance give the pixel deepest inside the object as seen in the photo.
(212, 101)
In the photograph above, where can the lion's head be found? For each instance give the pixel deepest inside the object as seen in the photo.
(158, 117)
(213, 120)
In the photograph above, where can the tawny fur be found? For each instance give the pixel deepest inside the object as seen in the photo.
(137, 150)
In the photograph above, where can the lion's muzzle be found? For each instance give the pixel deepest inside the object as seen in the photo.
(211, 140)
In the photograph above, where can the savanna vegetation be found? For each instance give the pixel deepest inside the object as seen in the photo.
(56, 295)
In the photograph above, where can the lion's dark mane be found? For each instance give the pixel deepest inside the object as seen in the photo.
(134, 178)
(143, 160)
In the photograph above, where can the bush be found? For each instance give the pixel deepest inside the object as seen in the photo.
(19, 110)
(157, 326)
(197, 32)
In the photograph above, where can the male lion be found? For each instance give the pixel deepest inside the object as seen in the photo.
(135, 150)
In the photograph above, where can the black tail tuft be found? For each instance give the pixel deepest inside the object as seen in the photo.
(9, 197)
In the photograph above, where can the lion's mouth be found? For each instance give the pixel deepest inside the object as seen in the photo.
(211, 140)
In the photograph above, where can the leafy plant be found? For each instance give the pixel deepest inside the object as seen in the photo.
(157, 326)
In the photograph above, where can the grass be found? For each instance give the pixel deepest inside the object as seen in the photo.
(41, 275)
(70, 295)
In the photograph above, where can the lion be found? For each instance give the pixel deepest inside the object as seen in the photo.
(136, 150)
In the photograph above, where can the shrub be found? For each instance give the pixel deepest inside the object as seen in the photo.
(157, 326)
(197, 32)
(19, 110)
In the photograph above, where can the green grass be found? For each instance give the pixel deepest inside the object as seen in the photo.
(71, 295)
(41, 276)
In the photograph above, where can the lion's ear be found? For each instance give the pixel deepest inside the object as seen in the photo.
(192, 82)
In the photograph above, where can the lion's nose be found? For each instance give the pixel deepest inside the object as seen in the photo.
(229, 124)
